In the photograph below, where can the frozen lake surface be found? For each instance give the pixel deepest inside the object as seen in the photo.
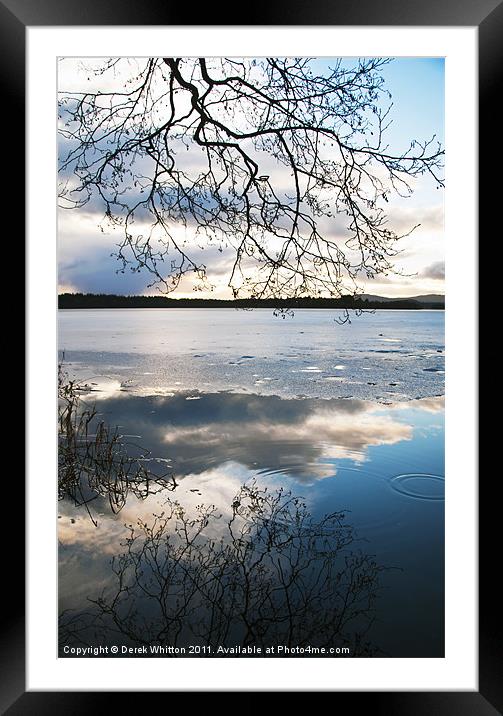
(384, 356)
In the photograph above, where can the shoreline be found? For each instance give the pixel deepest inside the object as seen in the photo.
(366, 309)
(345, 303)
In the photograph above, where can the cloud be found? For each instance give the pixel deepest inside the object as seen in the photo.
(431, 218)
(96, 272)
(435, 271)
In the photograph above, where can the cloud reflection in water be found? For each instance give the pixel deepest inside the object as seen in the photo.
(258, 432)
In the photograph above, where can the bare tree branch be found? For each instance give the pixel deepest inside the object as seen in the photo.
(283, 161)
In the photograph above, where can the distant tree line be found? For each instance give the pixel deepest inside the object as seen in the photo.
(102, 300)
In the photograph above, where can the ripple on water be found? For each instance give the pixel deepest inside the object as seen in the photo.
(304, 472)
(421, 486)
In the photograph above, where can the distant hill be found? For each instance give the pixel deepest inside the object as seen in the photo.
(101, 300)
(426, 298)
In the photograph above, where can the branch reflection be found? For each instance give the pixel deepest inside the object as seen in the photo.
(273, 576)
(94, 460)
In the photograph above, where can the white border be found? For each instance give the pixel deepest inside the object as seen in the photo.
(458, 671)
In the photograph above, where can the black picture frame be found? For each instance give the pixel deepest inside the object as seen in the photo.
(487, 15)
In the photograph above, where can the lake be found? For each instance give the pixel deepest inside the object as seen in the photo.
(293, 481)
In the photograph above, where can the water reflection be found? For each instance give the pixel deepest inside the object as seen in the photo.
(196, 431)
(253, 546)
(95, 461)
(274, 577)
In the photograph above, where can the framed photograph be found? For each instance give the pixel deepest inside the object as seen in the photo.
(252, 356)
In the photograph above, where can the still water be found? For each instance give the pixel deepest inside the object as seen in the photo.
(345, 419)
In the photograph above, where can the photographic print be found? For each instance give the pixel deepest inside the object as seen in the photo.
(251, 357)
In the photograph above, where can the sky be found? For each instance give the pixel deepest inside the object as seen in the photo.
(417, 89)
